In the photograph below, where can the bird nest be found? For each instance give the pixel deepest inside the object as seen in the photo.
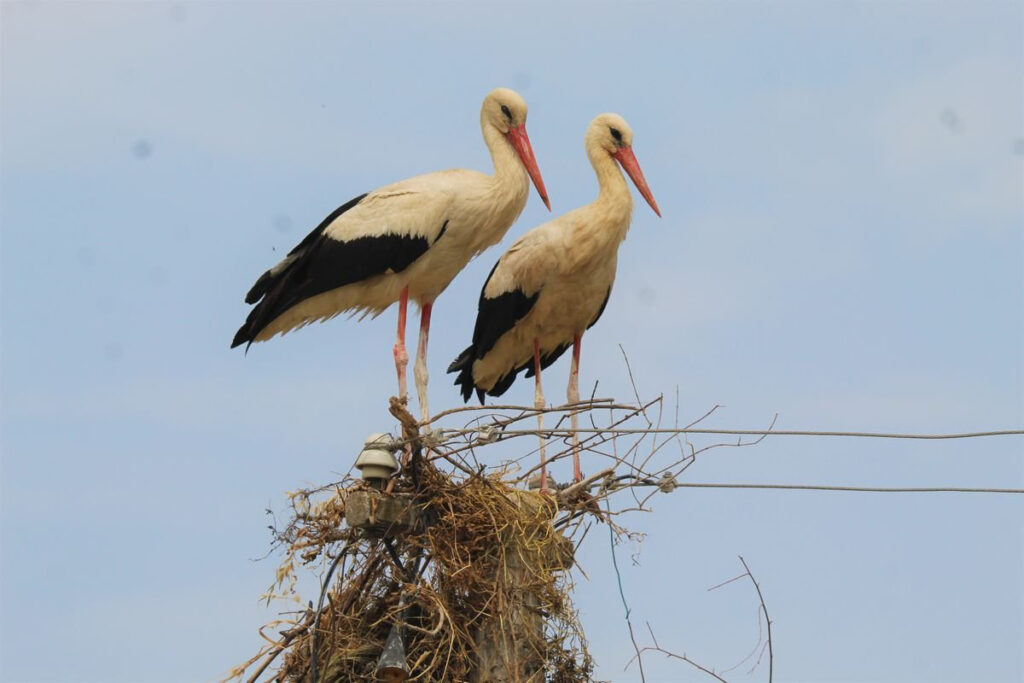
(440, 578)
(463, 576)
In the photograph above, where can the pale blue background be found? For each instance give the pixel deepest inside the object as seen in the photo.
(841, 186)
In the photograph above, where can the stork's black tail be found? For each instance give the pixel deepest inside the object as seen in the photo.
(463, 365)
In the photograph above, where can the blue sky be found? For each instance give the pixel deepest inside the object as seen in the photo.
(842, 244)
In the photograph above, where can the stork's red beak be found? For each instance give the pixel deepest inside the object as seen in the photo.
(629, 164)
(521, 143)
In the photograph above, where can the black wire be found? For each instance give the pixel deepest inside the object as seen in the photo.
(409, 575)
(319, 611)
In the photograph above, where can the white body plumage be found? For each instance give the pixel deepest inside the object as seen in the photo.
(459, 213)
(554, 282)
(570, 264)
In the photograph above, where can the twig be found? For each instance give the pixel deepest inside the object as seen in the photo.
(531, 409)
(683, 657)
(569, 491)
(759, 646)
(632, 381)
(767, 619)
(286, 637)
(726, 583)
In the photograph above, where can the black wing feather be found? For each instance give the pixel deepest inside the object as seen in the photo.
(600, 311)
(267, 279)
(495, 316)
(321, 264)
(487, 332)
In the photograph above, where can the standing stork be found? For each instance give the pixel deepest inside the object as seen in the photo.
(405, 240)
(554, 282)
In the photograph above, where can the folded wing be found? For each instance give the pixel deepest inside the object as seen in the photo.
(374, 234)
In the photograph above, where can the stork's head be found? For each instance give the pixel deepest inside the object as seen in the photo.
(505, 111)
(611, 133)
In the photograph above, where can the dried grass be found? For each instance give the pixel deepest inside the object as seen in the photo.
(476, 581)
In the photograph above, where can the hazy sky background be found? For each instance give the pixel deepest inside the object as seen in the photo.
(841, 185)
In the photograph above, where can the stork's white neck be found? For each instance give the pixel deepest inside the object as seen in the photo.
(494, 206)
(508, 169)
(613, 193)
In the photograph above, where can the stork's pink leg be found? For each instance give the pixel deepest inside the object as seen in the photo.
(401, 357)
(573, 394)
(538, 403)
(420, 369)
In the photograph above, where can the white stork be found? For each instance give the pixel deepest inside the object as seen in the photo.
(406, 240)
(554, 282)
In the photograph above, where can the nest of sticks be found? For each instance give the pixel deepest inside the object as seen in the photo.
(469, 581)
(464, 576)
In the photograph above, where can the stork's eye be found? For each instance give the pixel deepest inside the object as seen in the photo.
(616, 134)
(507, 112)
